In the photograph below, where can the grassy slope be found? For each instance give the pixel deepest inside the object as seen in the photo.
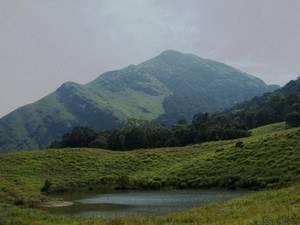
(269, 128)
(267, 160)
(34, 123)
(130, 93)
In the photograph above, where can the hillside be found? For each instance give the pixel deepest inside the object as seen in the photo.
(267, 161)
(165, 89)
(277, 106)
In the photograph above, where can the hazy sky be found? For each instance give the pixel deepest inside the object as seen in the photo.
(44, 43)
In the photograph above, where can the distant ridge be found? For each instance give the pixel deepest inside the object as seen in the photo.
(164, 89)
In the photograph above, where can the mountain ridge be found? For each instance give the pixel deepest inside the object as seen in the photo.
(164, 89)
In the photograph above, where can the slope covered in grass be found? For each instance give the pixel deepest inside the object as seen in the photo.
(274, 127)
(266, 161)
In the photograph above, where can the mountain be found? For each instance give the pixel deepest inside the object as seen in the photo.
(164, 89)
(292, 88)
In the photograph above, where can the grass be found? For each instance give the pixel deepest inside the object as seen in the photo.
(269, 128)
(266, 161)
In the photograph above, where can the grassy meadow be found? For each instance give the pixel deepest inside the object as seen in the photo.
(270, 159)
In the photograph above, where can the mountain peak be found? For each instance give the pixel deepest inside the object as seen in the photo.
(173, 53)
(173, 58)
(170, 52)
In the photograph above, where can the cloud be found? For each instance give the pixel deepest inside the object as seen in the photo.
(47, 42)
(259, 32)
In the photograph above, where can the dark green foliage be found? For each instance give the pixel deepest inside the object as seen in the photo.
(135, 138)
(158, 136)
(139, 134)
(293, 119)
(123, 181)
(116, 140)
(181, 134)
(217, 127)
(101, 141)
(79, 137)
(18, 202)
(239, 144)
(269, 108)
(46, 186)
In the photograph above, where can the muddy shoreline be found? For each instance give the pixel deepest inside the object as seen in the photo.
(52, 204)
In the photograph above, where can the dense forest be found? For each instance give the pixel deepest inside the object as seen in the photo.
(143, 134)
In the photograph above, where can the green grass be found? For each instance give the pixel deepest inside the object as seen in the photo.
(267, 160)
(269, 128)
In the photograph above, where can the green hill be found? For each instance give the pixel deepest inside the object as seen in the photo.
(165, 89)
(266, 161)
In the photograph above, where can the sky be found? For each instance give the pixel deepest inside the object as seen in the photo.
(44, 43)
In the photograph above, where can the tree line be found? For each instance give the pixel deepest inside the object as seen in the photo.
(139, 134)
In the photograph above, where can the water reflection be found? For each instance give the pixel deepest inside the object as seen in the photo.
(123, 203)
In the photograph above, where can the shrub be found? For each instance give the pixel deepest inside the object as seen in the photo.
(46, 186)
(293, 119)
(122, 181)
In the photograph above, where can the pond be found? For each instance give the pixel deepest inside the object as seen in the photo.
(133, 202)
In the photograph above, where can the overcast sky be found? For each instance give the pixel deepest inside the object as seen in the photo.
(44, 43)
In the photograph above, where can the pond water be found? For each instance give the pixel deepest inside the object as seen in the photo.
(122, 203)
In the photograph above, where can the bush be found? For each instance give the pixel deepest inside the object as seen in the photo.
(122, 181)
(293, 119)
(46, 186)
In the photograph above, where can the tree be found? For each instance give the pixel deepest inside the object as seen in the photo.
(116, 140)
(181, 134)
(293, 119)
(101, 141)
(265, 115)
(277, 102)
(200, 124)
(158, 136)
(135, 138)
(79, 137)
